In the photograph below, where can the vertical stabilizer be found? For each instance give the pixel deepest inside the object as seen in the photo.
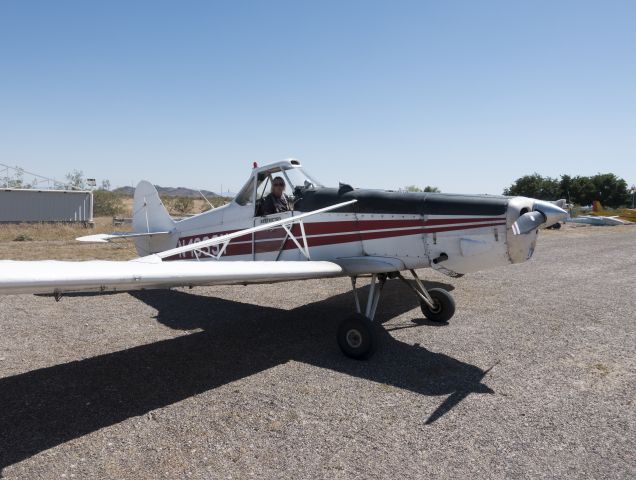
(150, 215)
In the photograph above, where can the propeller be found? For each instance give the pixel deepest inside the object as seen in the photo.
(528, 222)
(542, 212)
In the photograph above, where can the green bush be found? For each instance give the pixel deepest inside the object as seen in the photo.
(23, 237)
(107, 203)
(183, 205)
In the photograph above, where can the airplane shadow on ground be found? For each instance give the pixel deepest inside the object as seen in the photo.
(46, 407)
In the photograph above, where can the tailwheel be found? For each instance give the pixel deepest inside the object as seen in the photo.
(356, 337)
(443, 307)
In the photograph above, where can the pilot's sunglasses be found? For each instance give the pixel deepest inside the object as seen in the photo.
(279, 184)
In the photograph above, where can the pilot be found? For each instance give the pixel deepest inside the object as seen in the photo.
(276, 201)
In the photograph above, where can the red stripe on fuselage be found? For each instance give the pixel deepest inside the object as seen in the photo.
(343, 232)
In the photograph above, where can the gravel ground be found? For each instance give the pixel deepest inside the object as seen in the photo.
(533, 377)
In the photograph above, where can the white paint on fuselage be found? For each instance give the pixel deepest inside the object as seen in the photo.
(415, 245)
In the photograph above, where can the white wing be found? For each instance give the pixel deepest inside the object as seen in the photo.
(55, 277)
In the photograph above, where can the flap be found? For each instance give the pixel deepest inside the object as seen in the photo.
(369, 264)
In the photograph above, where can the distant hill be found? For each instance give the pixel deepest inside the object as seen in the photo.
(170, 192)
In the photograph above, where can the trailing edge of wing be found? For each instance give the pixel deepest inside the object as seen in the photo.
(55, 277)
(106, 237)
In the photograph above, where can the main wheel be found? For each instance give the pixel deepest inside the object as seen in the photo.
(444, 306)
(356, 337)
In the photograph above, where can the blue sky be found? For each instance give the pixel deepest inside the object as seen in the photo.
(464, 95)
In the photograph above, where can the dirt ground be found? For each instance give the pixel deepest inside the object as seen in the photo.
(534, 377)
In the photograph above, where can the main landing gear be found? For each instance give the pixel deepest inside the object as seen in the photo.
(357, 333)
(436, 304)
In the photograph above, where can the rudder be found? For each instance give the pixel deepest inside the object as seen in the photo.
(150, 215)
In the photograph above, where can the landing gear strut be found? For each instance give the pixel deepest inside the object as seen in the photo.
(356, 334)
(436, 304)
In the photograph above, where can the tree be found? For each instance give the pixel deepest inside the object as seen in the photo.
(75, 179)
(612, 190)
(167, 202)
(106, 204)
(105, 184)
(183, 205)
(609, 189)
(582, 190)
(416, 189)
(535, 186)
(178, 205)
(566, 187)
(16, 181)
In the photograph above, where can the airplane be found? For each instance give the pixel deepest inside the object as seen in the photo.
(328, 232)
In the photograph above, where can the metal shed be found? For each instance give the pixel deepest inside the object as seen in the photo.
(26, 205)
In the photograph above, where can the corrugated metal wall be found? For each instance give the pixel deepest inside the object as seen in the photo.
(18, 205)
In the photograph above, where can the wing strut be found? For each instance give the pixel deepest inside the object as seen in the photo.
(224, 240)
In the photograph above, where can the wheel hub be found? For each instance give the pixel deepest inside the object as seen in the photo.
(437, 306)
(354, 338)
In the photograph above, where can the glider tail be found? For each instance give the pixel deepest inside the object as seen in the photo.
(150, 215)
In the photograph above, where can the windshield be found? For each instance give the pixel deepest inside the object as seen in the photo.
(297, 177)
(245, 195)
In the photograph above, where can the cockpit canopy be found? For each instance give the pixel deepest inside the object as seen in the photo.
(296, 179)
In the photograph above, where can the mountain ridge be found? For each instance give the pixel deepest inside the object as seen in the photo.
(170, 192)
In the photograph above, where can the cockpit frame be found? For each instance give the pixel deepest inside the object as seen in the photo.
(248, 195)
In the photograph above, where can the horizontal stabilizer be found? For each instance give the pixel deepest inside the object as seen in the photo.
(107, 237)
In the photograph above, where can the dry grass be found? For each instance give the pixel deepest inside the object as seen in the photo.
(57, 241)
(56, 231)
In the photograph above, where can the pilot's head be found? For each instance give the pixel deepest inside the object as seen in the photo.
(278, 186)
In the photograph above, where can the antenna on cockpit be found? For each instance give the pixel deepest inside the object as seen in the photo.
(206, 199)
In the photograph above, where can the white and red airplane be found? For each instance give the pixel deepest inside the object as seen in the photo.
(330, 232)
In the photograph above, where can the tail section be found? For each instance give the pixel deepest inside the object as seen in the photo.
(150, 215)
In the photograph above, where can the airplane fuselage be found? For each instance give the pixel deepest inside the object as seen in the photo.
(454, 234)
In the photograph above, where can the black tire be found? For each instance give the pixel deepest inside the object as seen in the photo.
(356, 337)
(444, 303)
